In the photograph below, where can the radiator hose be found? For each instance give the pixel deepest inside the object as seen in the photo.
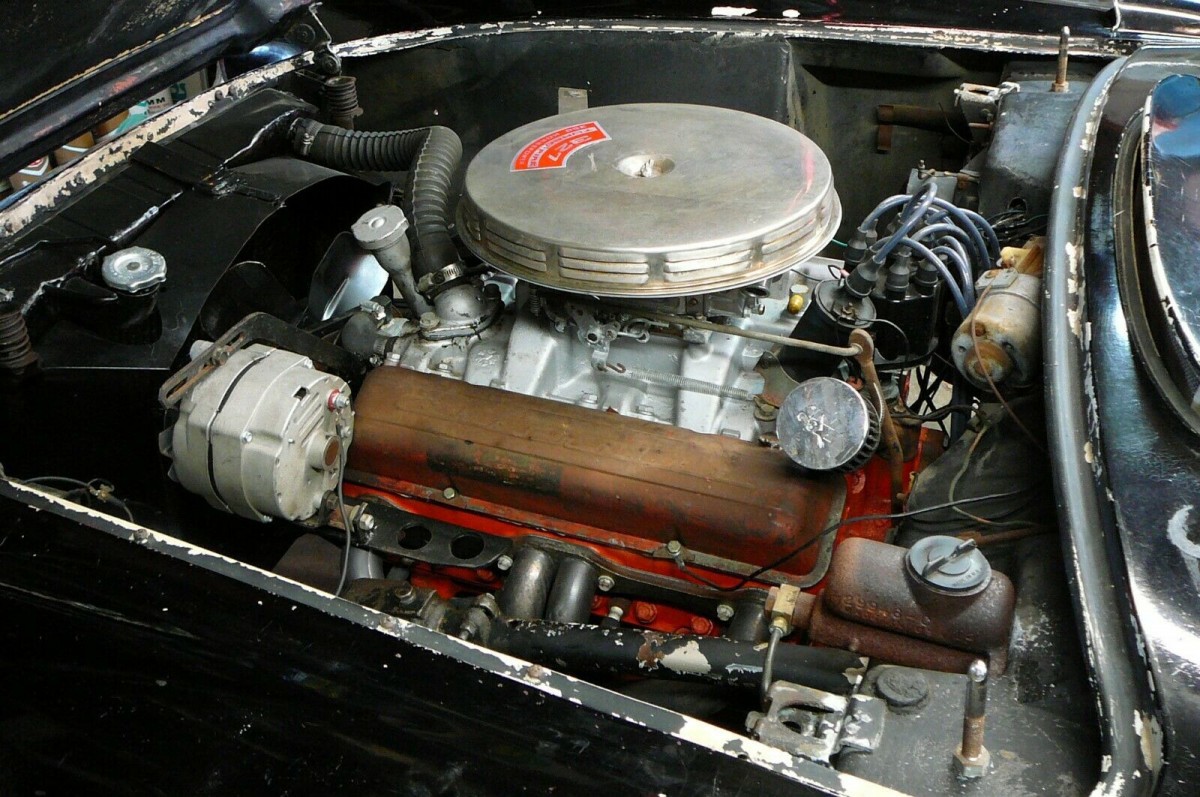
(430, 155)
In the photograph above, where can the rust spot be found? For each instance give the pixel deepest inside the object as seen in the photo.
(650, 653)
(507, 470)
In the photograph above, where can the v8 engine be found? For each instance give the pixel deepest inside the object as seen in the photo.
(671, 396)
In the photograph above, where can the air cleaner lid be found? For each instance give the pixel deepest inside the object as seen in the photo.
(649, 200)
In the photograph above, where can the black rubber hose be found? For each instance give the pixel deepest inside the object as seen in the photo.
(589, 649)
(430, 155)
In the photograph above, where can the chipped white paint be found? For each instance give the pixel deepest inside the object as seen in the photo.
(791, 26)
(710, 736)
(1150, 732)
(1089, 453)
(195, 24)
(743, 669)
(530, 675)
(141, 534)
(687, 658)
(1115, 788)
(1074, 312)
(69, 182)
(732, 11)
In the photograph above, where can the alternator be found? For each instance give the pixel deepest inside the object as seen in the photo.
(262, 435)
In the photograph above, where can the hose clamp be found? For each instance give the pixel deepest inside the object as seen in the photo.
(306, 135)
(445, 277)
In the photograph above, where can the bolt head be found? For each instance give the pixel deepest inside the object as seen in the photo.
(327, 63)
(902, 688)
(674, 547)
(449, 493)
(247, 437)
(504, 562)
(365, 522)
(972, 767)
(605, 583)
(724, 612)
(644, 612)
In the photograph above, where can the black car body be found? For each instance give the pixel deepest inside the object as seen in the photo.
(162, 654)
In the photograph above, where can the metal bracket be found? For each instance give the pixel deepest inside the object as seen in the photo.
(266, 329)
(815, 724)
(309, 32)
(398, 533)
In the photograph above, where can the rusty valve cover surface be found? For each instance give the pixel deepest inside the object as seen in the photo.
(561, 467)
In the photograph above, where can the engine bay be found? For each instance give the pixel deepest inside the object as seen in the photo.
(721, 390)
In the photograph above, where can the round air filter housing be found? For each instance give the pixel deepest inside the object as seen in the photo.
(825, 424)
(648, 200)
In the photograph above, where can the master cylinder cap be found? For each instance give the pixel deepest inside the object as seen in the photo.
(650, 199)
(949, 565)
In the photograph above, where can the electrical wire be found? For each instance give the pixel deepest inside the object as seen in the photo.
(951, 283)
(909, 218)
(992, 385)
(964, 272)
(965, 222)
(341, 499)
(102, 493)
(60, 479)
(907, 347)
(936, 415)
(744, 580)
(950, 127)
(33, 247)
(873, 217)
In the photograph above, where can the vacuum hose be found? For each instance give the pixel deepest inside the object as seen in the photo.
(430, 155)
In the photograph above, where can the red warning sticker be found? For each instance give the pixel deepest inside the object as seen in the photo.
(552, 150)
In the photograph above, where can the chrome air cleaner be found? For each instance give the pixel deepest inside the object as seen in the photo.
(648, 200)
